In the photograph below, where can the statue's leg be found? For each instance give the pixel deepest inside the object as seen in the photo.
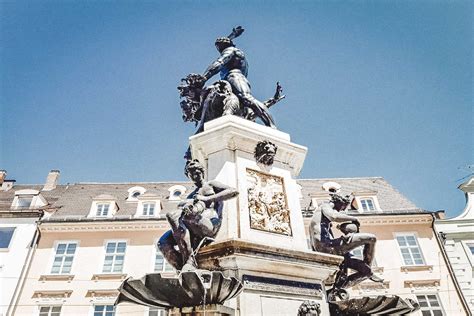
(166, 246)
(205, 224)
(363, 272)
(361, 239)
(232, 106)
(181, 236)
(241, 88)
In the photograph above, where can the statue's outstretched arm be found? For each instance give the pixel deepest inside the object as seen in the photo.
(216, 66)
(336, 216)
(223, 192)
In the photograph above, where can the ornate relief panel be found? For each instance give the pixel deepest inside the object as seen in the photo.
(268, 205)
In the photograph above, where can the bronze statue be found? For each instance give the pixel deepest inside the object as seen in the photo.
(200, 103)
(197, 222)
(322, 239)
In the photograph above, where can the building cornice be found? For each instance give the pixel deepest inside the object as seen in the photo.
(143, 225)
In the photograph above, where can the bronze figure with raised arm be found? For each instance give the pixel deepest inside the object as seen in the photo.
(233, 67)
(197, 221)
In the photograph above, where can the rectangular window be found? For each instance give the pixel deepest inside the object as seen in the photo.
(104, 310)
(114, 256)
(102, 210)
(156, 311)
(148, 209)
(430, 305)
(471, 248)
(63, 258)
(161, 265)
(6, 235)
(410, 250)
(50, 311)
(24, 202)
(367, 204)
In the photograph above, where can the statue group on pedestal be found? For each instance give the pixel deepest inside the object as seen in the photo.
(231, 95)
(198, 219)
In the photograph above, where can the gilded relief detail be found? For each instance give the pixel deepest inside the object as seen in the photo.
(268, 207)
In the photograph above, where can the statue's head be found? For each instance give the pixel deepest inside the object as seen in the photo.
(194, 170)
(340, 202)
(309, 308)
(222, 43)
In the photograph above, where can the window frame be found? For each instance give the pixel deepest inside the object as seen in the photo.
(15, 229)
(98, 204)
(106, 242)
(51, 306)
(53, 256)
(373, 198)
(414, 234)
(441, 308)
(143, 208)
(102, 304)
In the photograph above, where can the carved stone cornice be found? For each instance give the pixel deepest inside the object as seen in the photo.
(398, 219)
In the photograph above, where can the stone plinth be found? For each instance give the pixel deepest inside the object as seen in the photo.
(276, 280)
(227, 148)
(262, 241)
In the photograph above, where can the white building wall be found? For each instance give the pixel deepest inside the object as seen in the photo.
(14, 260)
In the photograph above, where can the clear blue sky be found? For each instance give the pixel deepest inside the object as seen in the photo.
(374, 88)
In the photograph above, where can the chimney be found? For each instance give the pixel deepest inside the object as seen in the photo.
(3, 175)
(51, 180)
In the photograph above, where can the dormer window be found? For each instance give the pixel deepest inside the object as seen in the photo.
(24, 202)
(366, 201)
(103, 205)
(102, 210)
(148, 205)
(148, 209)
(176, 192)
(28, 199)
(134, 193)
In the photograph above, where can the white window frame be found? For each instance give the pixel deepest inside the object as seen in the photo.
(101, 208)
(404, 234)
(155, 208)
(11, 239)
(106, 242)
(176, 188)
(53, 256)
(430, 308)
(141, 204)
(96, 203)
(375, 203)
(469, 255)
(92, 313)
(49, 305)
(165, 263)
(134, 190)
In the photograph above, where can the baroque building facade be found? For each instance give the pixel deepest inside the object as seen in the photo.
(457, 234)
(92, 236)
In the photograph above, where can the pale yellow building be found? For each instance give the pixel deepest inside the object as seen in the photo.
(94, 235)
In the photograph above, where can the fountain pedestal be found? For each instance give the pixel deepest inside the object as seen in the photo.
(262, 241)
